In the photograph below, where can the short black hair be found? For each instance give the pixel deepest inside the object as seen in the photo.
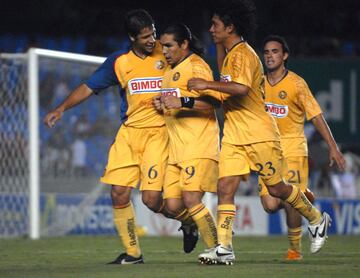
(136, 20)
(181, 32)
(278, 39)
(240, 13)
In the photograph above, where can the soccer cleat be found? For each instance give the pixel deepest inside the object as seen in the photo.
(293, 255)
(191, 236)
(127, 259)
(318, 233)
(217, 255)
(208, 256)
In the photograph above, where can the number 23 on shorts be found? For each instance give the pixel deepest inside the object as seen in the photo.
(266, 169)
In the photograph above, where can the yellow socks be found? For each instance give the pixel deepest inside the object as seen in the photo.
(124, 219)
(225, 221)
(184, 217)
(298, 200)
(205, 223)
(294, 236)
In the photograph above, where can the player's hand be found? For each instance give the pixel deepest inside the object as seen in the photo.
(336, 155)
(157, 103)
(197, 84)
(52, 117)
(171, 102)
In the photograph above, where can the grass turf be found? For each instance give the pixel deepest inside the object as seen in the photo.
(86, 256)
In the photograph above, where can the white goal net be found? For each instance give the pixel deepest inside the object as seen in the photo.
(44, 171)
(14, 142)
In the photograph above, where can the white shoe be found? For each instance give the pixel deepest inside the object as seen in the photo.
(217, 255)
(208, 256)
(318, 233)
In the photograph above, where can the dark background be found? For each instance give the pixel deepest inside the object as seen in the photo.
(313, 28)
(323, 35)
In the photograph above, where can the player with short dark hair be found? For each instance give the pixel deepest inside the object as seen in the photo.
(289, 99)
(140, 149)
(251, 138)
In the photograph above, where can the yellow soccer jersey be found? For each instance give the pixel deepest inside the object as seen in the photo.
(290, 101)
(246, 119)
(141, 79)
(193, 133)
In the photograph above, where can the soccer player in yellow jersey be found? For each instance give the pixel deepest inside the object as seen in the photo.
(140, 150)
(289, 99)
(251, 138)
(194, 134)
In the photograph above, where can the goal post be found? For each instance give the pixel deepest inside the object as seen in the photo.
(49, 178)
(20, 189)
(34, 173)
(33, 72)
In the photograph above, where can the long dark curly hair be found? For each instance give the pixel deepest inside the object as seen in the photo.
(240, 13)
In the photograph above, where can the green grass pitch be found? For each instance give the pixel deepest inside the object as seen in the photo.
(86, 256)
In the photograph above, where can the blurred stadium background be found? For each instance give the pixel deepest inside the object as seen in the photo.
(325, 49)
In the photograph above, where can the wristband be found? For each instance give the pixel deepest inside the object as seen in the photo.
(187, 102)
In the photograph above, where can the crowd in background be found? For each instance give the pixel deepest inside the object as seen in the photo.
(78, 147)
(319, 28)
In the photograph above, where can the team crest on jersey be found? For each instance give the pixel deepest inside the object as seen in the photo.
(159, 65)
(282, 94)
(276, 110)
(148, 85)
(176, 76)
(171, 92)
(225, 78)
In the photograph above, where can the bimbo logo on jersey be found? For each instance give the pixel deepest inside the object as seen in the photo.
(225, 78)
(171, 92)
(144, 85)
(278, 111)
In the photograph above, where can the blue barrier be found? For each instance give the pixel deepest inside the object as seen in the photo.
(345, 216)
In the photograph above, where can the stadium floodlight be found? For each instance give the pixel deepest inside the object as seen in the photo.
(20, 75)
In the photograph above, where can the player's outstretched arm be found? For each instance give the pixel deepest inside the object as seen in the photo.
(334, 153)
(200, 103)
(231, 88)
(77, 96)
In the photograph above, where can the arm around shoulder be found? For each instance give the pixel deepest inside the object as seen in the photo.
(231, 88)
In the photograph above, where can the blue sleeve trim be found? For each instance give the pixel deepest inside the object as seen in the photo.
(104, 76)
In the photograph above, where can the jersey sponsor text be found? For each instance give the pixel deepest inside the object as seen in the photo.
(171, 92)
(147, 85)
(276, 110)
(225, 78)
